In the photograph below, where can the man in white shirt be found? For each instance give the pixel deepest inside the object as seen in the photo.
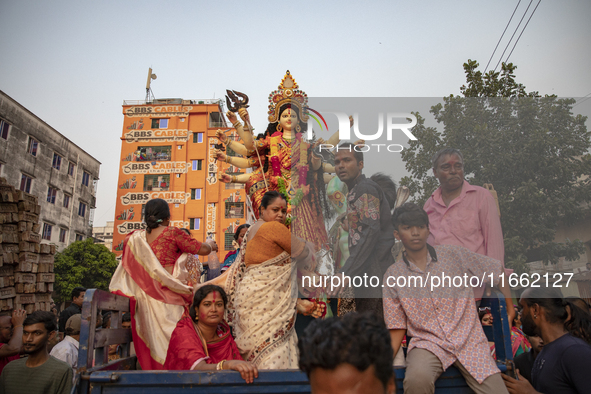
(67, 350)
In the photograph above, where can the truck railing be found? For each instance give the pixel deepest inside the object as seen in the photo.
(97, 375)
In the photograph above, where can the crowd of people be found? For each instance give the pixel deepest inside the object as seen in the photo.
(244, 319)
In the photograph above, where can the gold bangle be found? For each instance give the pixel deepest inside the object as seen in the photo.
(228, 159)
(220, 366)
(234, 179)
(236, 124)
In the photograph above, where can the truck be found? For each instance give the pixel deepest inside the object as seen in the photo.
(96, 375)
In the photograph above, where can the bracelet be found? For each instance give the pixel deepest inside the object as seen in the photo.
(234, 179)
(220, 366)
(228, 159)
(236, 124)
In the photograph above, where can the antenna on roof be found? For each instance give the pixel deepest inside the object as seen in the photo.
(149, 93)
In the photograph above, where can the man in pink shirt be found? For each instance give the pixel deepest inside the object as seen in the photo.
(463, 214)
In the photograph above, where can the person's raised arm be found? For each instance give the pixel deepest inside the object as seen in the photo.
(13, 347)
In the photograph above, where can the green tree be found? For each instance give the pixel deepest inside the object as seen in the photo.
(531, 148)
(85, 264)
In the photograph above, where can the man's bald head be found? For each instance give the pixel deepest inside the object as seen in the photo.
(5, 329)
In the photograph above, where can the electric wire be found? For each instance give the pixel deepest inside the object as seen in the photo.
(532, 14)
(502, 35)
(511, 39)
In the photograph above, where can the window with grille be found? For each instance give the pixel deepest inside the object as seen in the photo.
(196, 194)
(228, 239)
(197, 164)
(66, 203)
(159, 123)
(51, 193)
(234, 210)
(33, 146)
(26, 183)
(46, 231)
(195, 224)
(63, 234)
(156, 183)
(154, 153)
(197, 138)
(57, 161)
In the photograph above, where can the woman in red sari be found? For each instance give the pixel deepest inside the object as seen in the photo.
(153, 273)
(202, 340)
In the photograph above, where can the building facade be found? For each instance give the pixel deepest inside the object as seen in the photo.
(104, 235)
(167, 152)
(37, 159)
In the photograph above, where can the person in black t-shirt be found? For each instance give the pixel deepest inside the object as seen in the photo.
(525, 361)
(563, 364)
(74, 309)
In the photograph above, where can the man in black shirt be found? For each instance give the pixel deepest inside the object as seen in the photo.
(525, 361)
(74, 309)
(563, 364)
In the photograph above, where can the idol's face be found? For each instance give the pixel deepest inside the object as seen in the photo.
(450, 172)
(346, 166)
(288, 119)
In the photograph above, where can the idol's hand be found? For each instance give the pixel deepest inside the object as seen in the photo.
(221, 136)
(225, 178)
(351, 121)
(219, 155)
(244, 115)
(231, 117)
(359, 142)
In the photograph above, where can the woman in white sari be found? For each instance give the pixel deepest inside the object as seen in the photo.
(262, 288)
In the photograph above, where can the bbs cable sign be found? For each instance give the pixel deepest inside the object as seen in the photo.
(177, 167)
(127, 227)
(142, 198)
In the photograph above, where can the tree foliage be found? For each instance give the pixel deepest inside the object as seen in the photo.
(85, 264)
(531, 148)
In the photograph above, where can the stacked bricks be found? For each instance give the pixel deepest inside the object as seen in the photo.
(26, 265)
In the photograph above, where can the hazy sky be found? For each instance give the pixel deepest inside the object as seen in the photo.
(72, 63)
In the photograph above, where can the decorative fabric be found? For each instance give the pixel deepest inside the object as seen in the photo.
(443, 321)
(171, 243)
(187, 347)
(157, 298)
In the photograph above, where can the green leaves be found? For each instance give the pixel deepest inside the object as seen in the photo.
(531, 148)
(85, 264)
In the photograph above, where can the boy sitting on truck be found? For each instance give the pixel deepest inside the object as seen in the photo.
(424, 299)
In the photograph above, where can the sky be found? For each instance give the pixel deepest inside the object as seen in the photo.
(73, 63)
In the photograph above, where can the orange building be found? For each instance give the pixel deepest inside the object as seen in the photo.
(167, 152)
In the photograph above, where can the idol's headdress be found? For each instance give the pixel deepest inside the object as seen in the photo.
(287, 93)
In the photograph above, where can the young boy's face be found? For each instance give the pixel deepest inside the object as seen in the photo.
(413, 237)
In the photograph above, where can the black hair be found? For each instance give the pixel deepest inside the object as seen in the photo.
(237, 232)
(349, 147)
(126, 317)
(200, 295)
(482, 313)
(358, 339)
(387, 185)
(156, 212)
(409, 214)
(269, 197)
(581, 303)
(186, 230)
(47, 318)
(445, 152)
(106, 319)
(77, 290)
(557, 311)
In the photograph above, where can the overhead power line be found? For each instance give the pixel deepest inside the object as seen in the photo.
(532, 14)
(510, 19)
(513, 35)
